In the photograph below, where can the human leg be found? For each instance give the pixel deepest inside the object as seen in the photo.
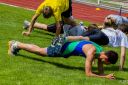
(70, 21)
(49, 28)
(67, 15)
(97, 36)
(36, 25)
(14, 46)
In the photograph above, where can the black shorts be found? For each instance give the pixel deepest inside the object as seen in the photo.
(97, 36)
(68, 12)
(52, 28)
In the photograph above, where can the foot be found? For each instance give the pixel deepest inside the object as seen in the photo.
(12, 50)
(54, 41)
(62, 39)
(26, 24)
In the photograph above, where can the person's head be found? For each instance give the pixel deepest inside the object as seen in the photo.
(47, 12)
(92, 26)
(110, 19)
(110, 22)
(123, 28)
(109, 57)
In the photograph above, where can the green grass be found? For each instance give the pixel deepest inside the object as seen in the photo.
(31, 69)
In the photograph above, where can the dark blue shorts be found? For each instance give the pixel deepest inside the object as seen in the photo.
(68, 13)
(54, 51)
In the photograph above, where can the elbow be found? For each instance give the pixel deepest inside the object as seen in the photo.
(88, 74)
(81, 37)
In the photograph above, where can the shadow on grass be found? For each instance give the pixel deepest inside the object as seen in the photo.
(113, 68)
(118, 78)
(40, 36)
(54, 63)
(45, 33)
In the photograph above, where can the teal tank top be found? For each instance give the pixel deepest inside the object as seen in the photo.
(75, 48)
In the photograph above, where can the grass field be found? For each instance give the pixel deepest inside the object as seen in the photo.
(31, 69)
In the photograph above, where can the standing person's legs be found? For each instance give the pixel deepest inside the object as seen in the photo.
(14, 46)
(70, 21)
(67, 15)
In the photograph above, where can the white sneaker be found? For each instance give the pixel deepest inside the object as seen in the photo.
(12, 50)
(26, 24)
(81, 23)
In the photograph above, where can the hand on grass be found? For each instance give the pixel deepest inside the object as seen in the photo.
(26, 33)
(110, 76)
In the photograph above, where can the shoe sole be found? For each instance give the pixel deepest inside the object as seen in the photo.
(9, 48)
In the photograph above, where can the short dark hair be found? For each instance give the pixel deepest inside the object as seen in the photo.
(49, 13)
(123, 28)
(110, 23)
(92, 26)
(112, 56)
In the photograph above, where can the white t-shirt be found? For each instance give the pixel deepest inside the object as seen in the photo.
(116, 37)
(74, 31)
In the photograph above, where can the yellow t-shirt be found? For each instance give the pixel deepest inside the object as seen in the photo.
(58, 6)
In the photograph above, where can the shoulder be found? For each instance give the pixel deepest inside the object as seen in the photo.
(89, 48)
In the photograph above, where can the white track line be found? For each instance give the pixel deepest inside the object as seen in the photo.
(17, 6)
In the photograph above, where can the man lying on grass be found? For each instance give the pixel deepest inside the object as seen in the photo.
(87, 49)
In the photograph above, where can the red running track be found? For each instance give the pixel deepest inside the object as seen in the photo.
(80, 11)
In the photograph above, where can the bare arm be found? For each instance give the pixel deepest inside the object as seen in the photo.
(88, 66)
(100, 67)
(76, 38)
(31, 25)
(58, 28)
(122, 57)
